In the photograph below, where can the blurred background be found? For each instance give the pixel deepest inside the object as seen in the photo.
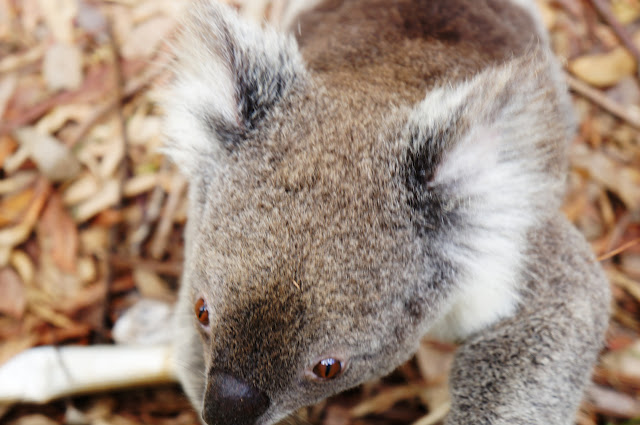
(91, 214)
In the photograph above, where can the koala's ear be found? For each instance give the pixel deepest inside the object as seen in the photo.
(485, 161)
(504, 131)
(228, 75)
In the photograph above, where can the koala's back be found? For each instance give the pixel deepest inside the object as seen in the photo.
(406, 47)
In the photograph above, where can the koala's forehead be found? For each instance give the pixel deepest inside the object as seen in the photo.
(324, 177)
(314, 202)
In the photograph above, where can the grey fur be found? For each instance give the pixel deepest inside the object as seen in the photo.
(337, 211)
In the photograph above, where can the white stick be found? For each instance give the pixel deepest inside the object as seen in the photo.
(44, 373)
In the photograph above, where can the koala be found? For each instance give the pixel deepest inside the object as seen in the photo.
(374, 172)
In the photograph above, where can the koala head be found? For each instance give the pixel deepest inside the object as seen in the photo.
(332, 222)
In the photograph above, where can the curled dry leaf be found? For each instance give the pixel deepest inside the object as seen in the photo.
(12, 207)
(107, 196)
(18, 181)
(12, 236)
(140, 184)
(21, 262)
(53, 158)
(81, 189)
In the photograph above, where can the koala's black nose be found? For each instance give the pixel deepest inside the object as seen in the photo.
(231, 401)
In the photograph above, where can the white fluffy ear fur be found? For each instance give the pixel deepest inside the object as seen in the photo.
(506, 168)
(227, 75)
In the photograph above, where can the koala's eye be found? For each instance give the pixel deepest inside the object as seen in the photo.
(327, 368)
(202, 312)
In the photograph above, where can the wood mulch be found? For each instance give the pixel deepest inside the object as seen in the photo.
(91, 214)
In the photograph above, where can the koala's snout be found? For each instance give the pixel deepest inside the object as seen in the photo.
(231, 401)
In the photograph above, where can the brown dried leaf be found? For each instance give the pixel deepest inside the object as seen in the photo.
(83, 298)
(57, 225)
(12, 207)
(605, 69)
(150, 285)
(12, 295)
(12, 236)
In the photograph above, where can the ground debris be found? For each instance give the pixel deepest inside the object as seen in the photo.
(91, 214)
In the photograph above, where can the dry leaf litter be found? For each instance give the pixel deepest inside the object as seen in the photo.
(91, 214)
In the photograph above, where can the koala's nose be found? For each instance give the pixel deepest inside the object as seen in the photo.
(232, 401)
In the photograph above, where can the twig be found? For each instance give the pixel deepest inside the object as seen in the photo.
(163, 231)
(619, 249)
(600, 99)
(617, 233)
(151, 215)
(620, 31)
(130, 89)
(121, 174)
(170, 268)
